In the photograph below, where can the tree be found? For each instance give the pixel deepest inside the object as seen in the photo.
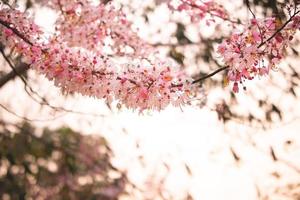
(56, 165)
(84, 54)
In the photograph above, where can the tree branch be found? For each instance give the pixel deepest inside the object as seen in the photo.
(249, 8)
(210, 74)
(260, 45)
(20, 69)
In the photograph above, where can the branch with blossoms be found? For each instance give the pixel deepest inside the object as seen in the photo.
(199, 10)
(139, 83)
(242, 53)
(74, 57)
(258, 49)
(258, 36)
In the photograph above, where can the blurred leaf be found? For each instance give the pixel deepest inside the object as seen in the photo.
(177, 56)
(180, 34)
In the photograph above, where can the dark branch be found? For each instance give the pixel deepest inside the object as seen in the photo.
(26, 118)
(20, 69)
(13, 67)
(210, 74)
(249, 8)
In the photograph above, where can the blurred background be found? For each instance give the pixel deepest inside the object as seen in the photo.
(223, 146)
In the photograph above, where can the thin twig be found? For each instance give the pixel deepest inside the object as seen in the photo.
(21, 69)
(249, 8)
(7, 4)
(254, 16)
(210, 74)
(29, 119)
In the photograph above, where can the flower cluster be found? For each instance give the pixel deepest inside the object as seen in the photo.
(19, 23)
(139, 83)
(94, 27)
(199, 10)
(256, 49)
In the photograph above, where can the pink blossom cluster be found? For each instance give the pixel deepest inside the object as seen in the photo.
(198, 9)
(86, 53)
(256, 49)
(75, 66)
(82, 24)
(26, 27)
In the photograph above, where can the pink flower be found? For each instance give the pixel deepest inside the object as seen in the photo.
(36, 50)
(182, 7)
(144, 93)
(245, 73)
(256, 36)
(279, 38)
(79, 77)
(235, 87)
(254, 21)
(221, 48)
(8, 32)
(263, 71)
(270, 23)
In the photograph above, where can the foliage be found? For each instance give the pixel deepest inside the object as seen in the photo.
(59, 164)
